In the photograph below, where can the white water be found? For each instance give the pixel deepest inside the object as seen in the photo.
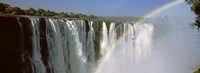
(165, 47)
(36, 60)
(68, 49)
(170, 47)
(104, 42)
(66, 54)
(144, 49)
(130, 52)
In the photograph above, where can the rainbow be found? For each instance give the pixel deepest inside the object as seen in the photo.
(150, 14)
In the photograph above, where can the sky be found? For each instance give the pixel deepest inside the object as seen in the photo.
(137, 8)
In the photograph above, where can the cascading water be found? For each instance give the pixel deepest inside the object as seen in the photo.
(33, 44)
(104, 42)
(66, 40)
(37, 62)
(134, 46)
(71, 44)
(143, 40)
(65, 46)
(78, 46)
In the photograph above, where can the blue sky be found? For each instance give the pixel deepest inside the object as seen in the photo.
(95, 7)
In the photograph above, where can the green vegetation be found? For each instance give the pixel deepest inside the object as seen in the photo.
(195, 7)
(198, 71)
(120, 19)
(6, 9)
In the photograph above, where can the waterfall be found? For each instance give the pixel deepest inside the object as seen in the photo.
(40, 44)
(38, 66)
(143, 40)
(56, 49)
(104, 42)
(132, 50)
(52, 45)
(71, 45)
(65, 41)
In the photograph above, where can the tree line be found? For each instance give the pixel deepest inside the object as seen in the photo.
(6, 9)
(195, 7)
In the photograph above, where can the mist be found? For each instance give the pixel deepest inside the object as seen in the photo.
(168, 46)
(178, 50)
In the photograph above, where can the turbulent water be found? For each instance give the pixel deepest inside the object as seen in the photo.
(68, 48)
(131, 50)
(76, 46)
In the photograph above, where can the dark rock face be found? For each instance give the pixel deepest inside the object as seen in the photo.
(26, 44)
(43, 44)
(97, 33)
(16, 49)
(10, 45)
(87, 28)
(16, 44)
